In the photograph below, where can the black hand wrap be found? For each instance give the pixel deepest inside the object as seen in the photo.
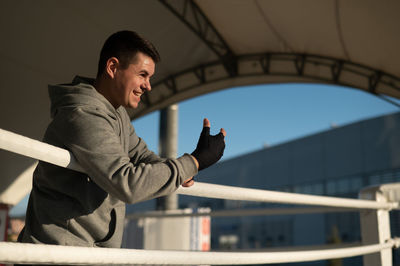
(209, 148)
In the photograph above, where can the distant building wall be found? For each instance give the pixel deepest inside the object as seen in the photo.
(337, 162)
(364, 147)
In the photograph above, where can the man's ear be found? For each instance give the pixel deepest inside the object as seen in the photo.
(111, 66)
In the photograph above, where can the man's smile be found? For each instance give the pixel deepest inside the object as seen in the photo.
(136, 93)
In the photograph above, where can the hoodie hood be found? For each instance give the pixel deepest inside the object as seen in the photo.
(80, 92)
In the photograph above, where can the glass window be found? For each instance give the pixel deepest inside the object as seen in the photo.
(343, 186)
(285, 189)
(298, 189)
(387, 178)
(356, 183)
(331, 187)
(318, 189)
(307, 189)
(374, 179)
(397, 175)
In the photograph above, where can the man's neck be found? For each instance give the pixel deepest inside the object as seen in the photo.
(103, 87)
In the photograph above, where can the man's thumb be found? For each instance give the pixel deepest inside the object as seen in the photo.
(206, 123)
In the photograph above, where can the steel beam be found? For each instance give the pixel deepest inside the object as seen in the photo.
(195, 19)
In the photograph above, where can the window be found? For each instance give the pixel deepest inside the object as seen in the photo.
(374, 179)
(356, 184)
(318, 189)
(331, 187)
(343, 185)
(387, 178)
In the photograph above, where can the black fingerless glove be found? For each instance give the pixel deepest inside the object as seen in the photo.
(209, 148)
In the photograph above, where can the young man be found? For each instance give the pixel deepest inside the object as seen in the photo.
(89, 119)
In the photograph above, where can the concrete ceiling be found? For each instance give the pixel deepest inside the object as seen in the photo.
(206, 45)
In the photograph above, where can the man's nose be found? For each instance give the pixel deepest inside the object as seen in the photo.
(146, 86)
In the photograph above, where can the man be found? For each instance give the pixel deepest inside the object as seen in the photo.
(89, 119)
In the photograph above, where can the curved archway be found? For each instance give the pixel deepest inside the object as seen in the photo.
(267, 68)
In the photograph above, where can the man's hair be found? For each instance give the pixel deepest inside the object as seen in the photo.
(124, 45)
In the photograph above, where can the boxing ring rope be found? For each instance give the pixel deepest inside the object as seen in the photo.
(248, 194)
(45, 152)
(28, 253)
(51, 254)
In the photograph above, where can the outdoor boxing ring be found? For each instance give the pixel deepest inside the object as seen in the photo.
(374, 206)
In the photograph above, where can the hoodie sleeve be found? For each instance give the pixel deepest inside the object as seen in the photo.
(131, 176)
(138, 151)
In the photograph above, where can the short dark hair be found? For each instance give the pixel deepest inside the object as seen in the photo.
(124, 45)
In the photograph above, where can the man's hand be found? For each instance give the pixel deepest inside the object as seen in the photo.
(209, 148)
(188, 182)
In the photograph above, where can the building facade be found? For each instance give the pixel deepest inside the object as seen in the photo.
(338, 162)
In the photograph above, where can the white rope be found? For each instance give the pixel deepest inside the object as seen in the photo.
(61, 157)
(248, 194)
(52, 254)
(38, 150)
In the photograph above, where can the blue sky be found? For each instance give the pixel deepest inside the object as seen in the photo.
(261, 115)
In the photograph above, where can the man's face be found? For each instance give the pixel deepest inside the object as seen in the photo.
(132, 82)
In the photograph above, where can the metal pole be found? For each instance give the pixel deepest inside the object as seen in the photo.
(168, 146)
(375, 224)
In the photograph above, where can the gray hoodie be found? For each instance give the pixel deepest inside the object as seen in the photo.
(88, 209)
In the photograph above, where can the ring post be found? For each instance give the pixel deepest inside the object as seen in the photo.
(375, 224)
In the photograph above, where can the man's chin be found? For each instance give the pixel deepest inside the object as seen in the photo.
(133, 105)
